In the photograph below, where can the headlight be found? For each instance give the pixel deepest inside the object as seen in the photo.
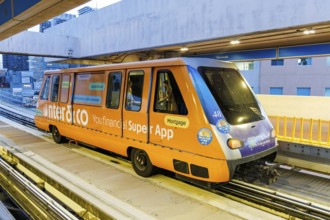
(273, 134)
(234, 143)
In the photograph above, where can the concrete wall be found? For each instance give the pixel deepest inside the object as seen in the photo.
(253, 76)
(35, 43)
(138, 24)
(308, 107)
(291, 75)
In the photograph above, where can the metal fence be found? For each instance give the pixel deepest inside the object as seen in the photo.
(315, 132)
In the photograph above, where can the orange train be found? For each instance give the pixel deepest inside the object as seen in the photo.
(196, 117)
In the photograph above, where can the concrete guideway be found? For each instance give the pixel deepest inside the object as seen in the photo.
(103, 188)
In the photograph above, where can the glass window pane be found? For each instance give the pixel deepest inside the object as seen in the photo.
(327, 92)
(303, 91)
(168, 97)
(277, 62)
(245, 65)
(65, 88)
(45, 89)
(276, 90)
(305, 61)
(55, 88)
(134, 90)
(113, 93)
(89, 88)
(232, 94)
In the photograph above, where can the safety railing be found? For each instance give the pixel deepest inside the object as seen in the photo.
(314, 132)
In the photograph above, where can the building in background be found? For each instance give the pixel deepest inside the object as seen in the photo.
(44, 25)
(299, 76)
(62, 18)
(15, 62)
(55, 21)
(85, 10)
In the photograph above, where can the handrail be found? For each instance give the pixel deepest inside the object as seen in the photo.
(315, 132)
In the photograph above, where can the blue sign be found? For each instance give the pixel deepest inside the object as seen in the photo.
(306, 50)
(244, 55)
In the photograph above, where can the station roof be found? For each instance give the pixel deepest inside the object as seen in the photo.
(308, 39)
(17, 16)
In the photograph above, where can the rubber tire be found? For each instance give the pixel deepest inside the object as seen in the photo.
(141, 163)
(58, 138)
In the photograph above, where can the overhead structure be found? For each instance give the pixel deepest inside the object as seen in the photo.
(18, 15)
(218, 29)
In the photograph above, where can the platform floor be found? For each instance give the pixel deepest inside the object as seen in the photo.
(109, 180)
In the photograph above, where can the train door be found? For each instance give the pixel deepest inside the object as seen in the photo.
(65, 100)
(112, 114)
(54, 109)
(169, 119)
(135, 106)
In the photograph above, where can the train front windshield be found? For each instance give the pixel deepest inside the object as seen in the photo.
(232, 94)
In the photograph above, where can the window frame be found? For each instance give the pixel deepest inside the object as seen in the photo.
(130, 104)
(45, 87)
(175, 90)
(65, 97)
(108, 102)
(53, 94)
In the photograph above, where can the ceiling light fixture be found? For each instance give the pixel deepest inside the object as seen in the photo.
(234, 42)
(184, 49)
(309, 31)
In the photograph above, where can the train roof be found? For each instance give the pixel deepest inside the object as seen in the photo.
(180, 61)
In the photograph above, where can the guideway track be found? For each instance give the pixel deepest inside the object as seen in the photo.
(24, 120)
(32, 199)
(291, 206)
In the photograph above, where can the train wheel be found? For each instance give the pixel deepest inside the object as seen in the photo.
(58, 138)
(141, 163)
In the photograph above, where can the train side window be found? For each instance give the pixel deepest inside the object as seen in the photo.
(45, 89)
(65, 88)
(55, 88)
(89, 88)
(134, 90)
(113, 93)
(168, 98)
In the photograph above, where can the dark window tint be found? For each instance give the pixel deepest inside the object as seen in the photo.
(305, 61)
(232, 94)
(134, 90)
(168, 97)
(55, 88)
(304, 91)
(45, 89)
(276, 90)
(278, 62)
(113, 93)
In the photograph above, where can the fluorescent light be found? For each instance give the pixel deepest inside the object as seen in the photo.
(184, 49)
(309, 31)
(234, 42)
